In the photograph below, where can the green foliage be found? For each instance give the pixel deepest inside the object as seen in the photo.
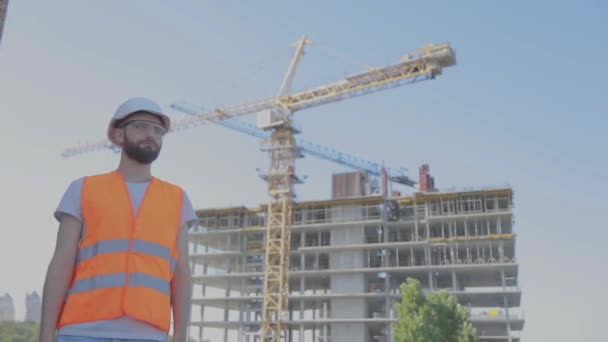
(18, 331)
(436, 317)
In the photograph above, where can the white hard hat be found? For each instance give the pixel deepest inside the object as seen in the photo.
(134, 105)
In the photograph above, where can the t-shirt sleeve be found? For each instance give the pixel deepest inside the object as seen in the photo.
(70, 202)
(188, 215)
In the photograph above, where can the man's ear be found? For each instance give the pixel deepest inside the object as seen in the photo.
(119, 136)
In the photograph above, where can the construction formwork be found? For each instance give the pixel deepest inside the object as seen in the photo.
(349, 257)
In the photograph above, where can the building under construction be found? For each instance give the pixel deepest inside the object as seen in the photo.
(350, 254)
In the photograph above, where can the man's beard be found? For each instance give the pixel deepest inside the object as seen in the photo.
(142, 156)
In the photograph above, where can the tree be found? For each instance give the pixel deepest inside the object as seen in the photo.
(18, 331)
(435, 317)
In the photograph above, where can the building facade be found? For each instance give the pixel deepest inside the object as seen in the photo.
(33, 307)
(7, 308)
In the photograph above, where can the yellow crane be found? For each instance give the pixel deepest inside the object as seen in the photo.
(275, 114)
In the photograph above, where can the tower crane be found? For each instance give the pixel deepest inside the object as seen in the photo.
(395, 175)
(275, 115)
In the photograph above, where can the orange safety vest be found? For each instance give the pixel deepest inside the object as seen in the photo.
(125, 264)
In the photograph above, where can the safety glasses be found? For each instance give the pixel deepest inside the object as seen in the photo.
(144, 126)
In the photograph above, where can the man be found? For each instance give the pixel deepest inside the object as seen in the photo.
(120, 264)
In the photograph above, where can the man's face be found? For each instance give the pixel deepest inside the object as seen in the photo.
(141, 137)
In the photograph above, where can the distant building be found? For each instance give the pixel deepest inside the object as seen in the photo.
(33, 307)
(350, 184)
(7, 308)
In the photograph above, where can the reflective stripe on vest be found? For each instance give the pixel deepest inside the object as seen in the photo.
(118, 280)
(122, 245)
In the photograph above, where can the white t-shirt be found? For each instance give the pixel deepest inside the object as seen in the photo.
(124, 327)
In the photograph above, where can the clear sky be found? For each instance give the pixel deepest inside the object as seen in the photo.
(524, 106)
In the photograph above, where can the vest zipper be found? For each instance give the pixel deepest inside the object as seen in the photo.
(134, 217)
(127, 273)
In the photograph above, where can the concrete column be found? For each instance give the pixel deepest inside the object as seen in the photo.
(325, 316)
(412, 256)
(245, 252)
(194, 250)
(506, 303)
(240, 331)
(241, 312)
(289, 328)
(302, 291)
(466, 234)
(416, 235)
(204, 292)
(314, 317)
(501, 250)
(200, 331)
(415, 224)
(387, 279)
(302, 256)
(453, 245)
(247, 319)
(226, 316)
(397, 256)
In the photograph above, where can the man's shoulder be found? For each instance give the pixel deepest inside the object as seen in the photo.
(79, 180)
(97, 175)
(170, 184)
(76, 183)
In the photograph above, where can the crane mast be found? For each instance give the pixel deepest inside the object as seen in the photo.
(281, 178)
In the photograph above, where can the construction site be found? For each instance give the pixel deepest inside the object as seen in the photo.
(349, 255)
(331, 269)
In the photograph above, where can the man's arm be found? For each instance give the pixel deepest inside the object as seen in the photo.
(181, 289)
(59, 274)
